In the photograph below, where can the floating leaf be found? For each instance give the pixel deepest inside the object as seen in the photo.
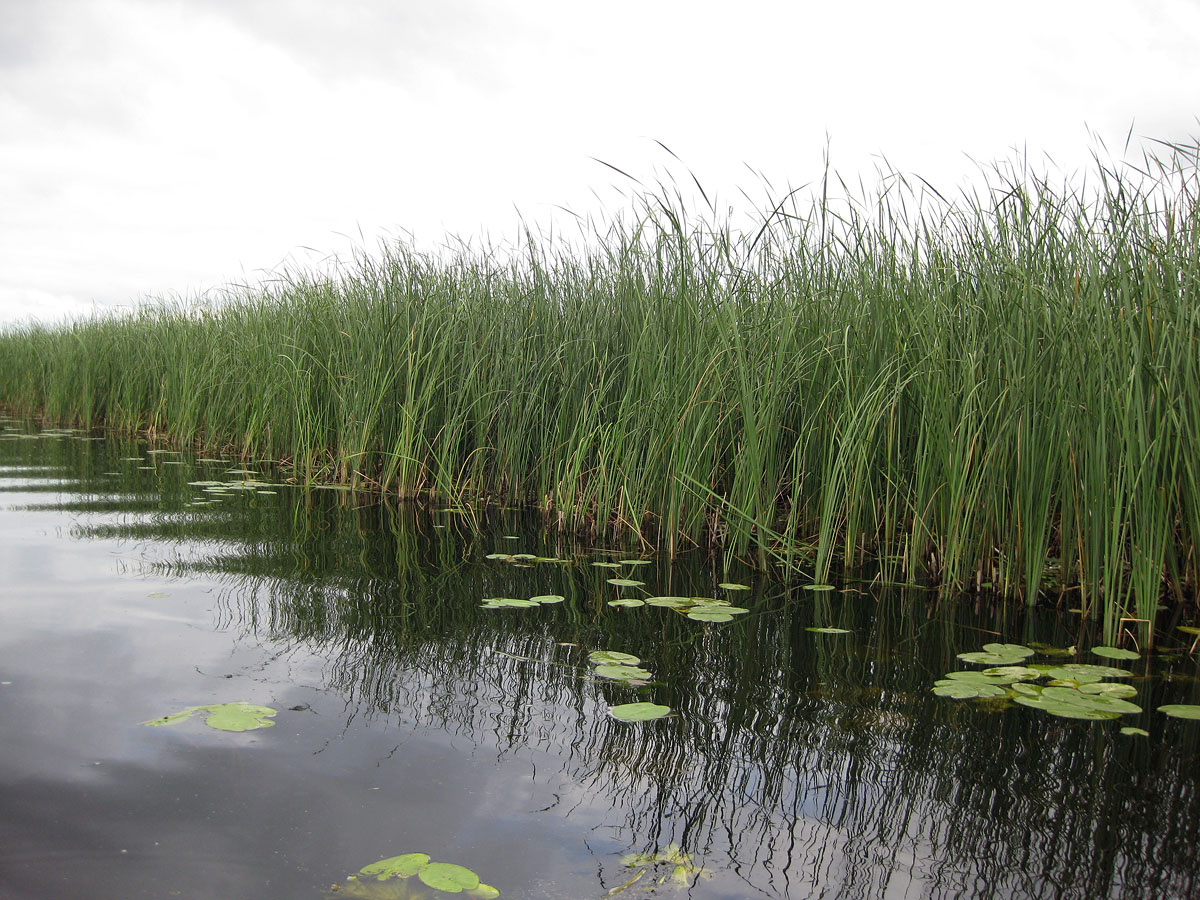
(625, 582)
(1115, 653)
(670, 602)
(483, 892)
(612, 657)
(547, 598)
(627, 601)
(238, 716)
(1188, 629)
(638, 712)
(623, 673)
(1016, 673)
(818, 587)
(827, 630)
(403, 866)
(1129, 729)
(1181, 710)
(449, 877)
(966, 690)
(506, 602)
(1108, 689)
(1086, 671)
(709, 615)
(730, 586)
(976, 677)
(607, 565)
(636, 562)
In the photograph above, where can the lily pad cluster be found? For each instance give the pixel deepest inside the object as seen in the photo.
(387, 879)
(237, 716)
(1070, 690)
(517, 603)
(667, 866)
(523, 560)
(699, 609)
(625, 668)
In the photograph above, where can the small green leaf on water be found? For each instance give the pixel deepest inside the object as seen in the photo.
(396, 866)
(1181, 710)
(730, 586)
(623, 673)
(714, 614)
(1087, 672)
(1130, 730)
(670, 602)
(827, 630)
(547, 598)
(966, 690)
(1115, 653)
(1188, 629)
(506, 603)
(627, 601)
(238, 716)
(607, 565)
(158, 594)
(636, 562)
(625, 582)
(448, 877)
(606, 657)
(818, 587)
(1108, 689)
(483, 892)
(638, 712)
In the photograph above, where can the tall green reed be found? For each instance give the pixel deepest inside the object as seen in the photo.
(999, 391)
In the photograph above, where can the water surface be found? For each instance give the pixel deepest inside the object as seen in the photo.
(795, 764)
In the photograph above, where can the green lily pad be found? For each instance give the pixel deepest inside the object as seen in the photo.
(1086, 672)
(636, 562)
(1130, 730)
(507, 603)
(998, 654)
(818, 587)
(607, 565)
(1108, 689)
(403, 866)
(623, 673)
(483, 892)
(448, 877)
(825, 629)
(966, 690)
(625, 582)
(638, 712)
(627, 601)
(976, 677)
(709, 615)
(1181, 710)
(1115, 653)
(670, 602)
(730, 586)
(237, 716)
(547, 598)
(1016, 673)
(1029, 690)
(612, 657)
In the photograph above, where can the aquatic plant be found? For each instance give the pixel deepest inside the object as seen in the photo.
(998, 390)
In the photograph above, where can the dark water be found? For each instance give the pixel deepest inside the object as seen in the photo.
(798, 765)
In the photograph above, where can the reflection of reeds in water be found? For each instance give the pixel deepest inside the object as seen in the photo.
(805, 765)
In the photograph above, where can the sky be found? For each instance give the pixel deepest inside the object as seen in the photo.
(163, 148)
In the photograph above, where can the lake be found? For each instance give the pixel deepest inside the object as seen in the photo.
(410, 717)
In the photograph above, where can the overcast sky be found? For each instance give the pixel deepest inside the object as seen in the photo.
(162, 147)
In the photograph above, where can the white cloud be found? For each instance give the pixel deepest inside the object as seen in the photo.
(155, 147)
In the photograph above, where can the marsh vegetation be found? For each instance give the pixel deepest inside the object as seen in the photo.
(995, 392)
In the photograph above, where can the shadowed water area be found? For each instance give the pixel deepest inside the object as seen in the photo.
(410, 718)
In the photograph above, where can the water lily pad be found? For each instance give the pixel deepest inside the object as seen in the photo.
(1016, 673)
(709, 615)
(1181, 710)
(1130, 730)
(825, 629)
(636, 562)
(607, 565)
(1086, 671)
(976, 677)
(403, 866)
(506, 603)
(448, 877)
(1108, 689)
(638, 712)
(483, 892)
(1115, 653)
(623, 673)
(818, 587)
(627, 601)
(670, 602)
(612, 657)
(730, 586)
(966, 690)
(547, 598)
(625, 582)
(998, 654)
(237, 716)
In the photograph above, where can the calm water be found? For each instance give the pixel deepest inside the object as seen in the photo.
(798, 764)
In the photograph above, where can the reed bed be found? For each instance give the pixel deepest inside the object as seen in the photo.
(996, 391)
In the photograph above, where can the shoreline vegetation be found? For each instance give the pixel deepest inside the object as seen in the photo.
(999, 392)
